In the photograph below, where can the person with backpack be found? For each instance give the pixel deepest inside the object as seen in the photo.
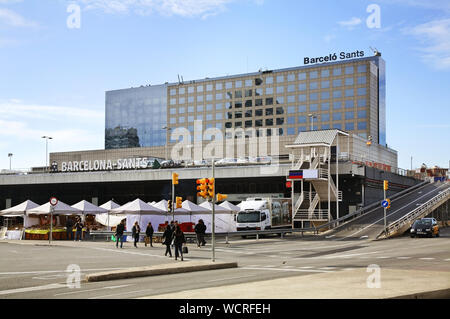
(200, 230)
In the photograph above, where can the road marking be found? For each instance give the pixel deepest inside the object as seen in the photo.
(50, 277)
(348, 269)
(123, 293)
(383, 257)
(283, 269)
(51, 271)
(288, 266)
(82, 291)
(306, 267)
(403, 257)
(29, 289)
(427, 258)
(327, 268)
(350, 255)
(119, 250)
(231, 278)
(269, 266)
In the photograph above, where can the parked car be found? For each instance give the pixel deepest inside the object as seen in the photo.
(226, 161)
(425, 227)
(167, 164)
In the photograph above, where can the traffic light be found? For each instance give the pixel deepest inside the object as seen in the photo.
(221, 197)
(202, 187)
(288, 184)
(174, 178)
(211, 187)
(179, 201)
(385, 185)
(169, 205)
(389, 201)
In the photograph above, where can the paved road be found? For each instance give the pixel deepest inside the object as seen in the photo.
(371, 225)
(28, 270)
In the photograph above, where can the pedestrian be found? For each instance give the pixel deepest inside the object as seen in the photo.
(119, 233)
(135, 233)
(167, 237)
(78, 229)
(69, 228)
(200, 230)
(149, 233)
(178, 240)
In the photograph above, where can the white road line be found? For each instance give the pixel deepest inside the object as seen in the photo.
(119, 250)
(229, 278)
(82, 291)
(327, 268)
(306, 267)
(350, 255)
(288, 266)
(269, 266)
(403, 258)
(427, 258)
(51, 271)
(348, 269)
(383, 257)
(29, 289)
(123, 293)
(283, 269)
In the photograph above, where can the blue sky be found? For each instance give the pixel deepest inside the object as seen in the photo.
(53, 78)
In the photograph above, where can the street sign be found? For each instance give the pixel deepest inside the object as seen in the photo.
(53, 201)
(386, 203)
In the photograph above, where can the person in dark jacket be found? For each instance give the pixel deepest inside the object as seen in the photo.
(69, 228)
(149, 234)
(135, 233)
(200, 230)
(119, 234)
(79, 229)
(167, 237)
(178, 241)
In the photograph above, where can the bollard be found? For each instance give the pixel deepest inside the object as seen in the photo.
(257, 236)
(282, 235)
(226, 239)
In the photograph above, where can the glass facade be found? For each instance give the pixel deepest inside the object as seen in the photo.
(136, 117)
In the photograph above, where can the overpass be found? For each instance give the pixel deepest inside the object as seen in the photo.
(407, 206)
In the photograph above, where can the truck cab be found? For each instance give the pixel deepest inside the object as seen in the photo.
(254, 215)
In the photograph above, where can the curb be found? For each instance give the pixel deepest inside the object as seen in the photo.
(435, 294)
(166, 269)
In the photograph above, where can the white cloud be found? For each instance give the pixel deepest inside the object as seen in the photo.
(183, 8)
(351, 23)
(434, 37)
(13, 19)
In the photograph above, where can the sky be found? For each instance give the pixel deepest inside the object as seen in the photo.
(55, 68)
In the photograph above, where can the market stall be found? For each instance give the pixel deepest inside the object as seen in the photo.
(223, 218)
(16, 219)
(107, 219)
(61, 212)
(89, 211)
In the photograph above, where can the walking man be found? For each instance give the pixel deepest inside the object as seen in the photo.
(178, 240)
(119, 233)
(149, 234)
(79, 230)
(69, 228)
(200, 230)
(167, 237)
(135, 233)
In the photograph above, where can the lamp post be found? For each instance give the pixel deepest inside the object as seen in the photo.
(10, 155)
(312, 116)
(167, 139)
(46, 150)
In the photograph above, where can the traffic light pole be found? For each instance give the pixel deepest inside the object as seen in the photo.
(385, 230)
(173, 201)
(213, 238)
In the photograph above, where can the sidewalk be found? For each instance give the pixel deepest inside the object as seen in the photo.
(350, 284)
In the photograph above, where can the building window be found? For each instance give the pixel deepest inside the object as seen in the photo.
(238, 104)
(269, 101)
(337, 71)
(248, 103)
(199, 108)
(248, 83)
(190, 109)
(349, 104)
(181, 119)
(258, 81)
(302, 119)
(181, 110)
(209, 117)
(219, 96)
(348, 81)
(291, 77)
(362, 103)
(237, 115)
(337, 116)
(181, 91)
(280, 78)
(228, 125)
(258, 123)
(269, 80)
(291, 98)
(313, 85)
(219, 86)
(259, 112)
(182, 100)
(337, 82)
(209, 87)
(219, 116)
(280, 120)
(325, 117)
(361, 80)
(173, 101)
(238, 84)
(362, 114)
(362, 68)
(173, 111)
(291, 88)
(314, 107)
(248, 123)
(302, 129)
(269, 111)
(302, 76)
(349, 126)
(325, 73)
(362, 125)
(238, 124)
(199, 88)
(291, 131)
(248, 93)
(219, 106)
(291, 109)
(302, 87)
(228, 85)
(173, 120)
(238, 94)
(248, 113)
(349, 93)
(190, 99)
(361, 91)
(209, 107)
(325, 95)
(349, 70)
(349, 115)
(325, 106)
(258, 92)
(173, 92)
(325, 126)
(313, 75)
(302, 108)
(269, 90)
(325, 84)
(302, 98)
(209, 97)
(337, 126)
(279, 110)
(337, 105)
(269, 122)
(337, 94)
(280, 99)
(199, 98)
(280, 89)
(230, 115)
(258, 102)
(291, 120)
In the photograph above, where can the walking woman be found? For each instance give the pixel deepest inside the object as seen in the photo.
(135, 233)
(178, 241)
(149, 233)
(167, 236)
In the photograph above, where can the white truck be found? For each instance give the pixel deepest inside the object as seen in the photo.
(264, 213)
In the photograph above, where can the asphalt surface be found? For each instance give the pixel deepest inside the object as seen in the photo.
(35, 270)
(371, 224)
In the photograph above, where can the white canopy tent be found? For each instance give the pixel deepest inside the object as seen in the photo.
(89, 208)
(230, 206)
(224, 218)
(20, 211)
(141, 212)
(106, 218)
(59, 209)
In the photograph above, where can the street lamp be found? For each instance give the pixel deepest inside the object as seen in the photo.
(312, 116)
(10, 155)
(167, 129)
(46, 150)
